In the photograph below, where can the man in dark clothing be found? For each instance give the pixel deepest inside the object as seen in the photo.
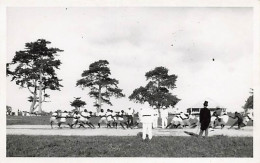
(205, 117)
(239, 121)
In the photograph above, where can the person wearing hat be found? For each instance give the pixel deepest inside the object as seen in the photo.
(205, 117)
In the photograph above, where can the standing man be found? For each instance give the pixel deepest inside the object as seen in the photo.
(205, 117)
(155, 118)
(147, 120)
(164, 116)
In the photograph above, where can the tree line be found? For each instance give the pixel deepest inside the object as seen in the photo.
(34, 68)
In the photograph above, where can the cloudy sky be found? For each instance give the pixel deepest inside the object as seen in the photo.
(136, 40)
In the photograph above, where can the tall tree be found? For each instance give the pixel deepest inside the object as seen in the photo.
(249, 104)
(9, 109)
(77, 103)
(101, 85)
(35, 70)
(157, 90)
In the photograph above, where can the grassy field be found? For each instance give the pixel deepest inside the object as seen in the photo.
(45, 120)
(27, 120)
(76, 146)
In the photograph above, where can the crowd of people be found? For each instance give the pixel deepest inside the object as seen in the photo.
(148, 117)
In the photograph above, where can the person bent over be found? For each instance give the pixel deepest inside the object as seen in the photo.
(175, 122)
(102, 116)
(239, 121)
(120, 119)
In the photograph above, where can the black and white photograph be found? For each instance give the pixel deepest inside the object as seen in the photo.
(130, 82)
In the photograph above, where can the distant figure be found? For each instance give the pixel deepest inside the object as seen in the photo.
(164, 116)
(130, 118)
(120, 119)
(84, 119)
(240, 121)
(176, 122)
(147, 120)
(103, 118)
(205, 117)
(155, 118)
(109, 118)
(221, 121)
(185, 119)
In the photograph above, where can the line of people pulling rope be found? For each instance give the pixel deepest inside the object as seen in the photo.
(110, 118)
(125, 119)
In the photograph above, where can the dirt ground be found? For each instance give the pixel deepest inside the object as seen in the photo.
(103, 131)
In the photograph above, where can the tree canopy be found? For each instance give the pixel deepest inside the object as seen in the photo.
(77, 103)
(249, 104)
(9, 109)
(157, 90)
(34, 69)
(101, 85)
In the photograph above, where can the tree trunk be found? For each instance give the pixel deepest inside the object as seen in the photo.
(159, 110)
(33, 102)
(40, 94)
(99, 99)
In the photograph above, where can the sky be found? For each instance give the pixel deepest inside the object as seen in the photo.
(136, 40)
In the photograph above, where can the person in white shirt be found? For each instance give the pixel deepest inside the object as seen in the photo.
(63, 117)
(175, 122)
(130, 118)
(147, 120)
(164, 116)
(84, 119)
(155, 118)
(54, 118)
(120, 119)
(185, 119)
(109, 118)
(221, 121)
(102, 116)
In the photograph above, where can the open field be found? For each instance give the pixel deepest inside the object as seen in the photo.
(27, 120)
(34, 139)
(131, 146)
(103, 131)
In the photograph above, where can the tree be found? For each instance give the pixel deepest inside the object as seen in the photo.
(101, 85)
(77, 103)
(249, 104)
(157, 90)
(35, 70)
(9, 110)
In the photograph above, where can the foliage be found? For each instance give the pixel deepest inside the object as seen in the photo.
(250, 101)
(34, 69)
(8, 110)
(127, 146)
(77, 103)
(101, 85)
(157, 91)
